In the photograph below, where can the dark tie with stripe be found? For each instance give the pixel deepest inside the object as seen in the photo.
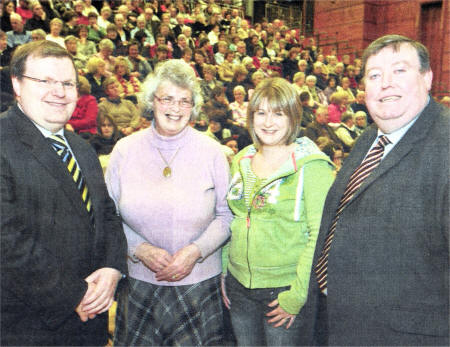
(60, 146)
(371, 161)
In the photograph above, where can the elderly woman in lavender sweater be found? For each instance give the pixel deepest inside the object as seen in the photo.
(169, 183)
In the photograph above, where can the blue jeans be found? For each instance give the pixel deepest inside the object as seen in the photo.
(248, 309)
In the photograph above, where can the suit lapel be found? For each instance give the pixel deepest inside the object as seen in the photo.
(417, 132)
(41, 149)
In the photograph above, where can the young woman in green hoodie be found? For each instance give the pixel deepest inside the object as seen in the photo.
(278, 189)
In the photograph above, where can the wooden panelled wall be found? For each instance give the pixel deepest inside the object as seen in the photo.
(350, 25)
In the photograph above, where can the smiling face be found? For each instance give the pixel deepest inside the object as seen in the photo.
(396, 90)
(271, 127)
(49, 106)
(171, 119)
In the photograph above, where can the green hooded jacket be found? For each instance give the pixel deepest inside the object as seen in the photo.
(273, 240)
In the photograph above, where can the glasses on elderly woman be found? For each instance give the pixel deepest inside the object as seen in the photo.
(170, 101)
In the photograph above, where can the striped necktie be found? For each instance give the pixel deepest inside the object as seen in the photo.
(60, 146)
(371, 161)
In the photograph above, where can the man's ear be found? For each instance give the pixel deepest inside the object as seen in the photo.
(16, 86)
(428, 76)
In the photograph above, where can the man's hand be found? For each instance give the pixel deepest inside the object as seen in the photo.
(182, 263)
(99, 298)
(153, 257)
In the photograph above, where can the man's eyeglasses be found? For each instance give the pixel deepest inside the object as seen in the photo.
(50, 83)
(170, 101)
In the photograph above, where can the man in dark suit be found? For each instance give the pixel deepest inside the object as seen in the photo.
(381, 273)
(63, 250)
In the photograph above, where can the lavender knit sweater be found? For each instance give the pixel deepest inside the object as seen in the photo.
(170, 213)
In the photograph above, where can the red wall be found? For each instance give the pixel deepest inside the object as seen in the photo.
(352, 24)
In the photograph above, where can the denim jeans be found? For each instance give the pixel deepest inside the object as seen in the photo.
(248, 309)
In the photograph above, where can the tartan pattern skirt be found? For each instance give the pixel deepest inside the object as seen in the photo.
(152, 315)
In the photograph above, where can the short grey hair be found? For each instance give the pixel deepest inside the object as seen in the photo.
(177, 72)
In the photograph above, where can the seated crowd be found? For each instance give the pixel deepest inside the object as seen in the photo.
(117, 45)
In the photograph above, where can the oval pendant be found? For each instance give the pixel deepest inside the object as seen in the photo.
(167, 171)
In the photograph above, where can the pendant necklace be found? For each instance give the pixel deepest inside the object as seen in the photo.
(167, 172)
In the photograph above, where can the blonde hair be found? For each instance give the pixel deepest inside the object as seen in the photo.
(93, 64)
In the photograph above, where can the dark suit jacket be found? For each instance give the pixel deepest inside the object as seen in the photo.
(388, 266)
(48, 244)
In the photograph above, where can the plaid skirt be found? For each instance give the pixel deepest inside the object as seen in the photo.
(152, 315)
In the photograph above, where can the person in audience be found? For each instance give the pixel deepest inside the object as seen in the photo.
(56, 26)
(17, 35)
(337, 107)
(209, 81)
(240, 74)
(105, 50)
(174, 256)
(320, 127)
(24, 10)
(360, 103)
(265, 281)
(105, 139)
(330, 89)
(95, 32)
(104, 19)
(298, 81)
(139, 66)
(345, 87)
(216, 127)
(39, 20)
(84, 117)
(226, 69)
(85, 47)
(239, 107)
(129, 85)
(96, 75)
(38, 34)
(8, 8)
(318, 98)
(70, 42)
(360, 119)
(124, 112)
(307, 111)
(346, 131)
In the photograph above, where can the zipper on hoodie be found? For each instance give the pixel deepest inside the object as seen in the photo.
(248, 248)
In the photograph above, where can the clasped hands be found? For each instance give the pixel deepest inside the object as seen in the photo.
(100, 293)
(167, 267)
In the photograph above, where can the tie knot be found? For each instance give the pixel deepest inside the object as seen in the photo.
(57, 140)
(383, 141)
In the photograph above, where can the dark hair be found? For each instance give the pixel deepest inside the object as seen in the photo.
(304, 96)
(217, 91)
(81, 27)
(68, 15)
(92, 14)
(37, 49)
(395, 42)
(203, 42)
